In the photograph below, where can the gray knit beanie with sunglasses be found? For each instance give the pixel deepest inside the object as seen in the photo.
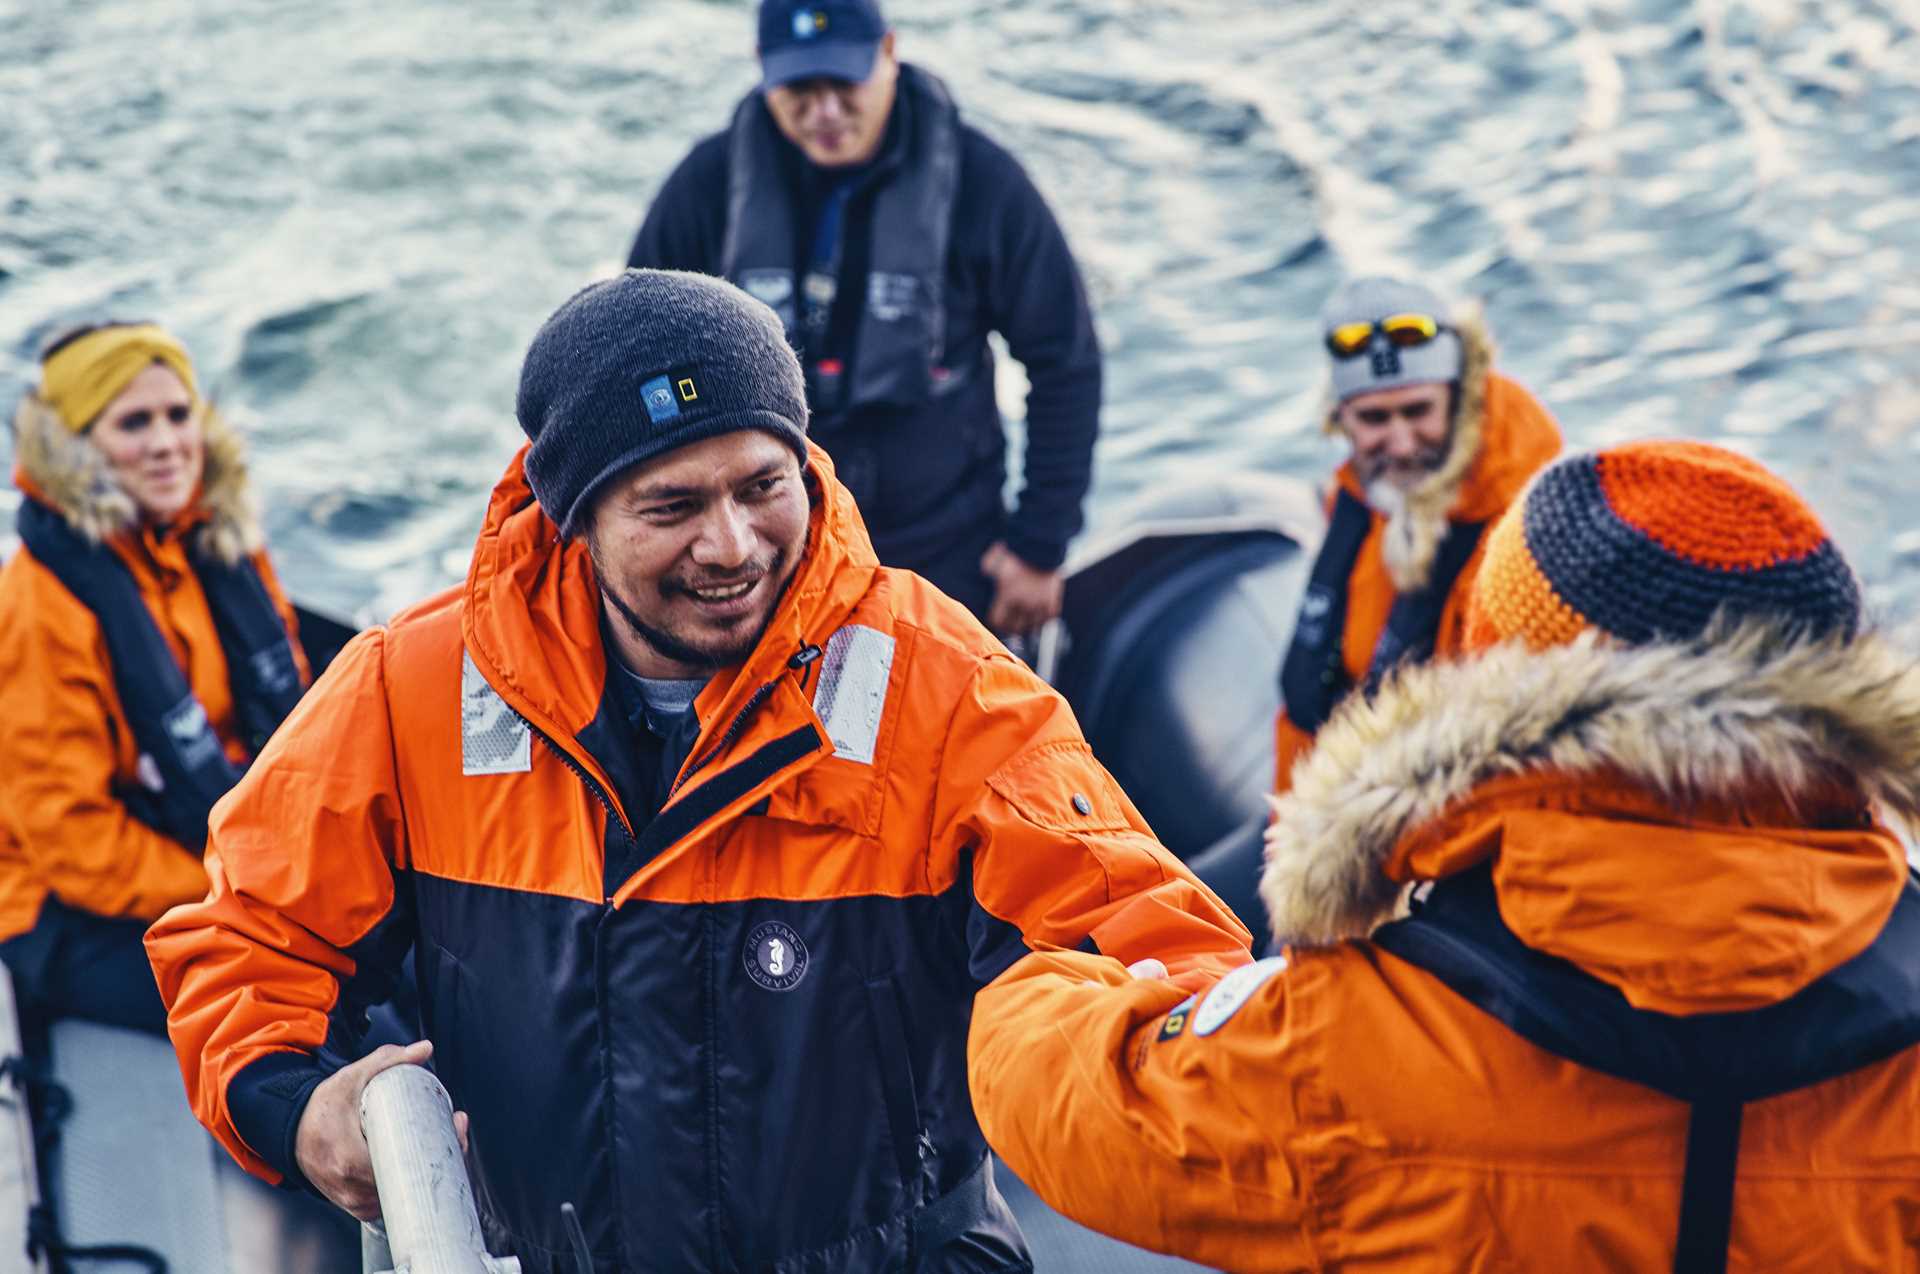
(1384, 365)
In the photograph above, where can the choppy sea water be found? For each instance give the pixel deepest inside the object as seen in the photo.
(1697, 218)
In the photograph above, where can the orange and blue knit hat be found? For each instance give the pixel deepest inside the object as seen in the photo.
(1652, 541)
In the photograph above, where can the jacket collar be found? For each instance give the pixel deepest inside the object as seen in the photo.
(1501, 436)
(532, 616)
(64, 471)
(1744, 726)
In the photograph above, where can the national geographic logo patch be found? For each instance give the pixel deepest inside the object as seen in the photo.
(775, 956)
(1177, 1020)
(664, 396)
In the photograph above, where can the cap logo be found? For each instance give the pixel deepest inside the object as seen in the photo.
(689, 392)
(1385, 358)
(808, 23)
(657, 396)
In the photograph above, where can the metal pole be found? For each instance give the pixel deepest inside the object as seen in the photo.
(375, 1256)
(426, 1201)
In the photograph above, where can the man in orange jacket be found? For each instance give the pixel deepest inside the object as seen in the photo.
(1654, 995)
(704, 829)
(1441, 444)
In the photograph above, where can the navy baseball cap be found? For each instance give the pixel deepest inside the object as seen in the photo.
(814, 39)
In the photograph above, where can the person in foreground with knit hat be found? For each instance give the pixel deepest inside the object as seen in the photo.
(1600, 951)
(704, 827)
(147, 652)
(1441, 444)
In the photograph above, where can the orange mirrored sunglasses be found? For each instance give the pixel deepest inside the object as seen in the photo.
(1403, 330)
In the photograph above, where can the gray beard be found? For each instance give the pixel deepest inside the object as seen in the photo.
(1386, 498)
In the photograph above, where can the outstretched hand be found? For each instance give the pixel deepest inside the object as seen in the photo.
(329, 1146)
(1024, 597)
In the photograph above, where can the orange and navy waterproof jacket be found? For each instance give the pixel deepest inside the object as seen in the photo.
(733, 1036)
(1502, 438)
(1673, 902)
(68, 756)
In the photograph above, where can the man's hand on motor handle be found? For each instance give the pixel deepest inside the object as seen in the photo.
(329, 1146)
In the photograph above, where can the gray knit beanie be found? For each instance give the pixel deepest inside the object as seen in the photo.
(640, 364)
(1383, 365)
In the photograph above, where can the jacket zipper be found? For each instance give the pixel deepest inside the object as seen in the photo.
(593, 784)
(599, 942)
(738, 724)
(801, 662)
(716, 1239)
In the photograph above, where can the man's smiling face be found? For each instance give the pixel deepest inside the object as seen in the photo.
(694, 549)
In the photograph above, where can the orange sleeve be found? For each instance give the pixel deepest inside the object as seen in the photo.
(299, 856)
(1058, 851)
(288, 618)
(1164, 1139)
(58, 772)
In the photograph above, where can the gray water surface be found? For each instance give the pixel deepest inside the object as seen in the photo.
(1684, 218)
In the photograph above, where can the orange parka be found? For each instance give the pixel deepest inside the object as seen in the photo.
(1502, 436)
(733, 1037)
(67, 752)
(1684, 833)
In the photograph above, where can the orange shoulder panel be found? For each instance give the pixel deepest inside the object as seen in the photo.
(1716, 910)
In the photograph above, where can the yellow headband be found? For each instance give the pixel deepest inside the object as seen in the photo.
(81, 377)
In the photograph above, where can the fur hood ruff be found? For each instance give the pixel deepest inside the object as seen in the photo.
(72, 475)
(1739, 711)
(1415, 529)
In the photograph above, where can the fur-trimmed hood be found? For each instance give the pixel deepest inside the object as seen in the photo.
(1711, 786)
(68, 473)
(1501, 436)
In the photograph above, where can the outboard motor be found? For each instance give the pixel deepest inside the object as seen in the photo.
(1169, 650)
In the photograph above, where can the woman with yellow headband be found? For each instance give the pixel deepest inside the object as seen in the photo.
(146, 653)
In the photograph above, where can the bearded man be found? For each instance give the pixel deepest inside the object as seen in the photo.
(1441, 445)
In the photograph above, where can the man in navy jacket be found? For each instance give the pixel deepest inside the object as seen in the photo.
(891, 237)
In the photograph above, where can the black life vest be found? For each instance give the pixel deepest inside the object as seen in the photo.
(169, 722)
(1863, 1012)
(890, 326)
(1313, 677)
